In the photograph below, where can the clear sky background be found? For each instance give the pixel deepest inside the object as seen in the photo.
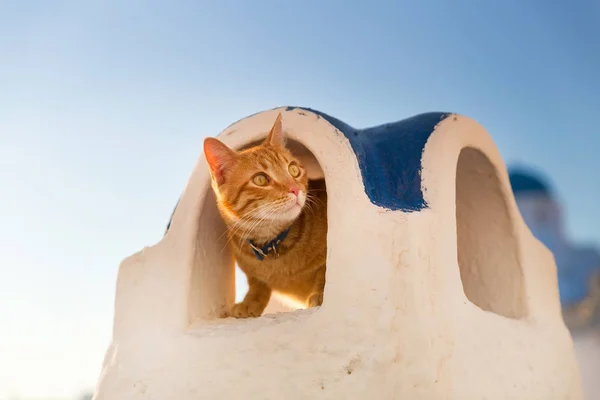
(104, 106)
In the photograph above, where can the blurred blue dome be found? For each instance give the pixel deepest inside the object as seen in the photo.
(528, 181)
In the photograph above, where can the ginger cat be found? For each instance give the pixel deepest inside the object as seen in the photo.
(276, 221)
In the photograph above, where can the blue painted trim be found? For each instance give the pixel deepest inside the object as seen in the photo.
(389, 157)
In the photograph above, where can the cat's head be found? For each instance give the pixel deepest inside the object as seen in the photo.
(264, 183)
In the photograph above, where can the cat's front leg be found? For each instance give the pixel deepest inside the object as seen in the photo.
(254, 302)
(315, 298)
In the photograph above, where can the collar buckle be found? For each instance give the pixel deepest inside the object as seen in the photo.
(261, 252)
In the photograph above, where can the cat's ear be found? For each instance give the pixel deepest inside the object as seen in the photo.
(276, 137)
(219, 158)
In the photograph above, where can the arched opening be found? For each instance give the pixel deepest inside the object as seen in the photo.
(219, 283)
(490, 268)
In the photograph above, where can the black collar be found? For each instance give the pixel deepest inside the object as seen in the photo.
(262, 252)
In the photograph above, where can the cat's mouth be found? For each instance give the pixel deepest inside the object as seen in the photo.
(295, 205)
(292, 208)
(298, 201)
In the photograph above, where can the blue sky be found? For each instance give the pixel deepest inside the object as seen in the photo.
(104, 106)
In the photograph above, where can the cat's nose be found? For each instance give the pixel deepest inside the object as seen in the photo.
(295, 190)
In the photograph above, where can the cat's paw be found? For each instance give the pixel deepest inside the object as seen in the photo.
(251, 309)
(315, 299)
(225, 313)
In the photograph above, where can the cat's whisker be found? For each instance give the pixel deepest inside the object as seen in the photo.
(314, 198)
(267, 209)
(259, 219)
(311, 203)
(241, 223)
(246, 233)
(308, 205)
(275, 207)
(237, 226)
(240, 220)
(256, 210)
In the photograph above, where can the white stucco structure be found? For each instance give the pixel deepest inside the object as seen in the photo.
(443, 295)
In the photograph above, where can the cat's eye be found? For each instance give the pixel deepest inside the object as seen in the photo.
(294, 170)
(260, 179)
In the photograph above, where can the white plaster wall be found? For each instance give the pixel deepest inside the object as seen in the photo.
(587, 349)
(395, 323)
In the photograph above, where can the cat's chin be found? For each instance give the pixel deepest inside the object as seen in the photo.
(290, 214)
